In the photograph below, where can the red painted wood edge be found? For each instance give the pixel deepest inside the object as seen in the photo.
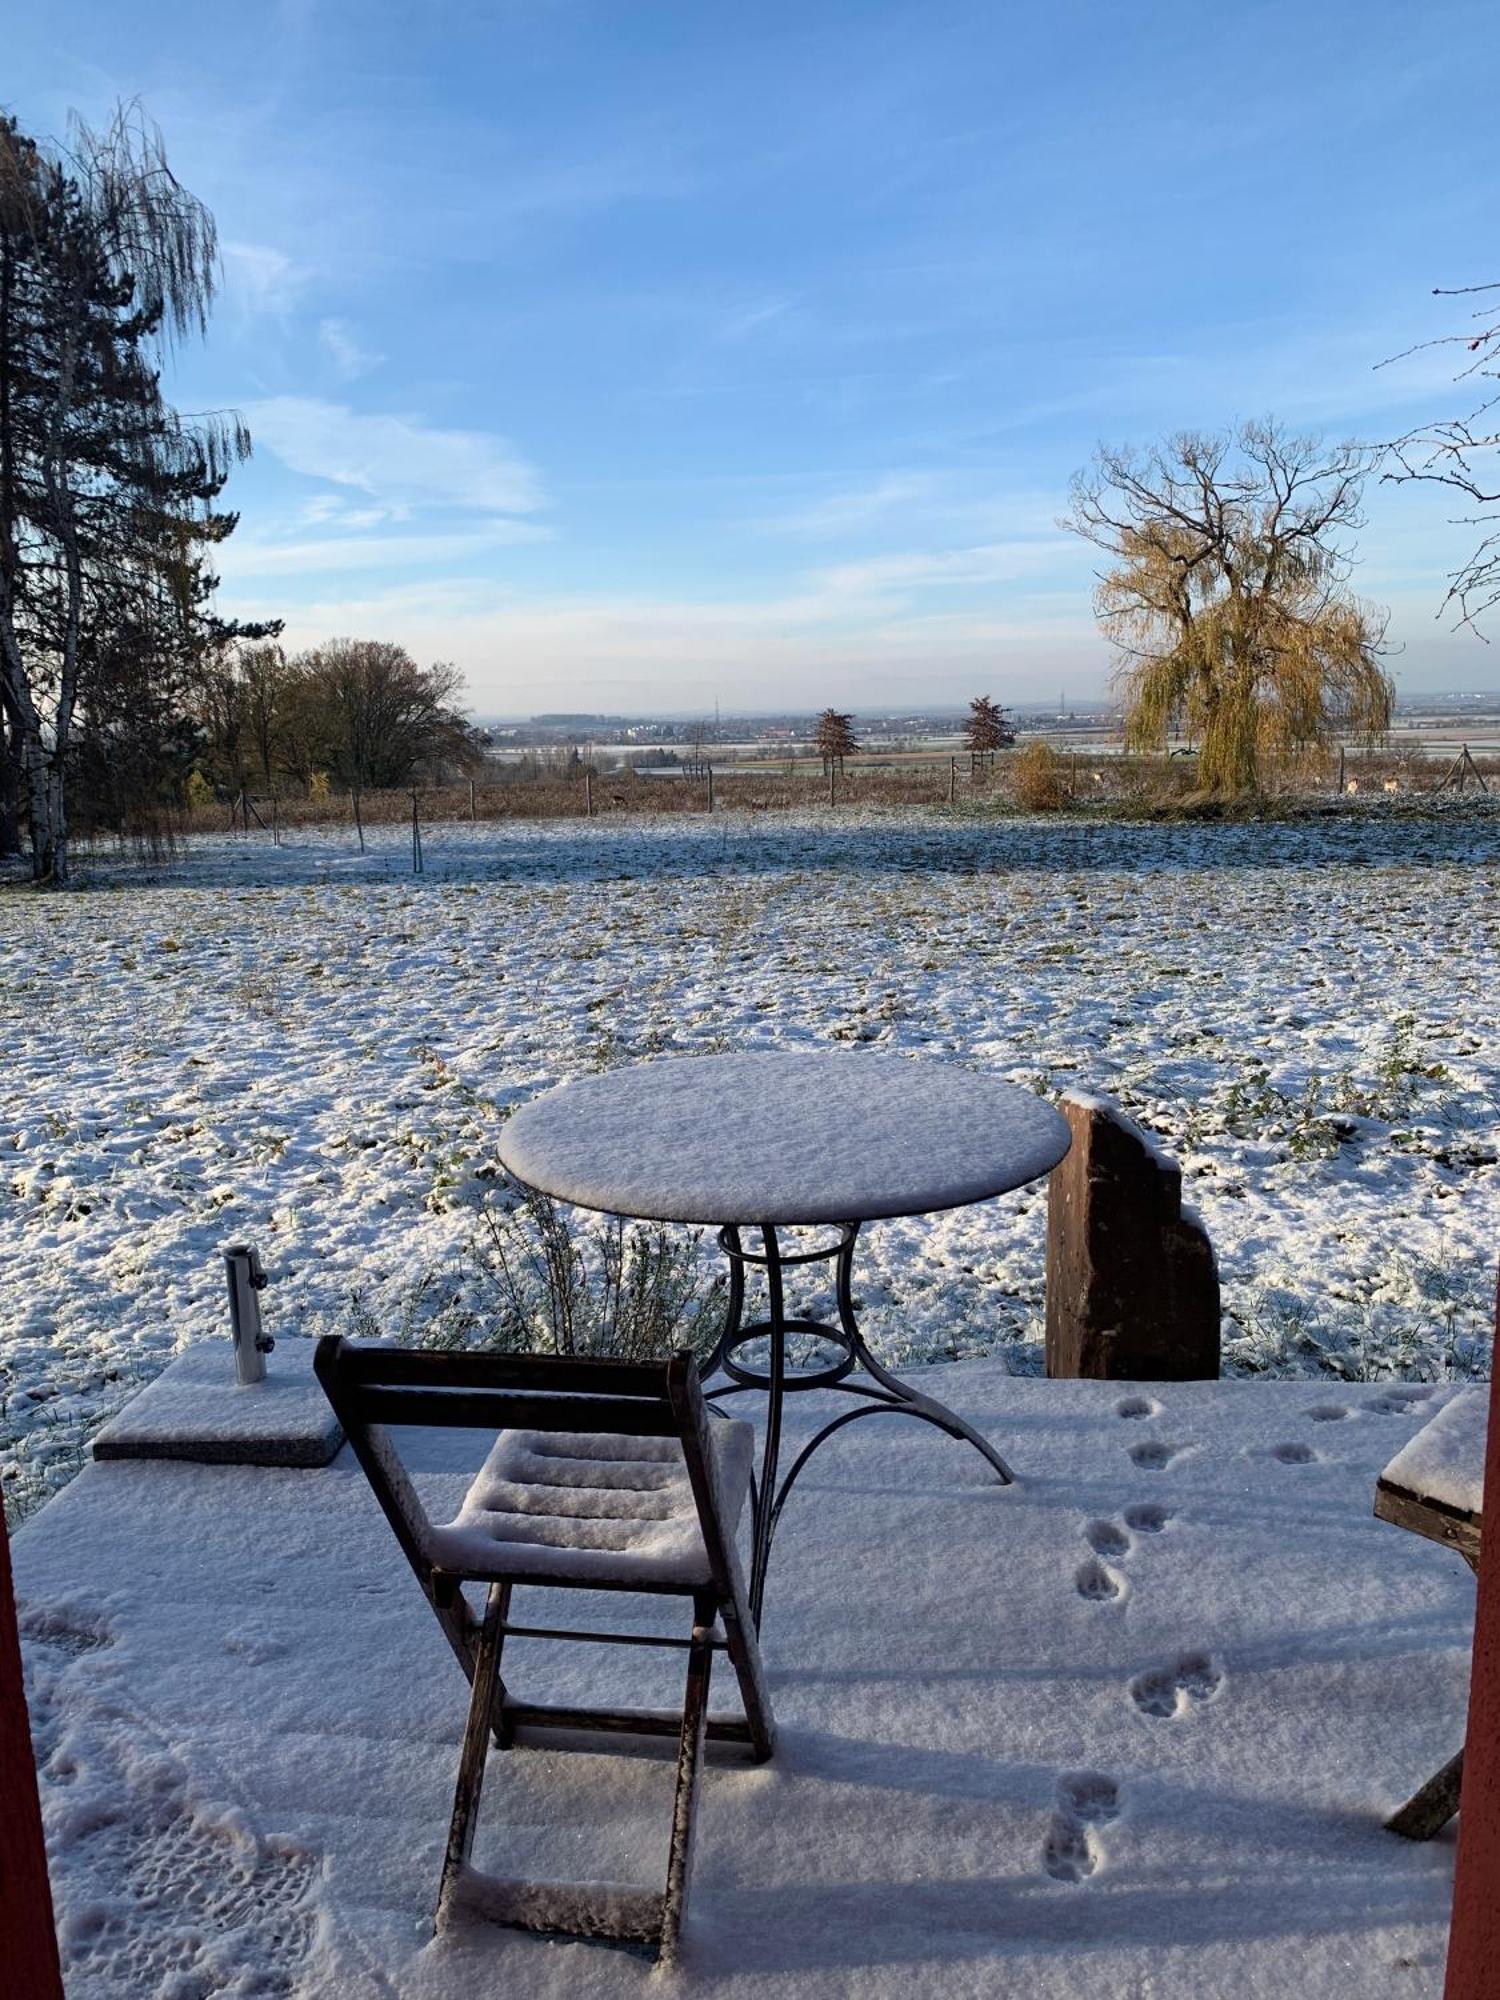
(26, 1927)
(1474, 1940)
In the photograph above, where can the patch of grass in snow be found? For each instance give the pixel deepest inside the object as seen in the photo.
(259, 1045)
(1420, 1320)
(46, 1435)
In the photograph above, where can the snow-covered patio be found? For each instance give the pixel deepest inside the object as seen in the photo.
(1128, 1728)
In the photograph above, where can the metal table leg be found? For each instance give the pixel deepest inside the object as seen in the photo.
(882, 1392)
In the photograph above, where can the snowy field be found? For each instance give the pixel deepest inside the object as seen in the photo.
(1126, 1730)
(314, 1050)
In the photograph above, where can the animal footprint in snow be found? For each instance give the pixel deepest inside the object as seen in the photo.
(1069, 1853)
(1085, 1799)
(1098, 1583)
(1090, 1796)
(1328, 1413)
(1166, 1691)
(1137, 1406)
(1293, 1454)
(1402, 1401)
(1147, 1518)
(1155, 1455)
(1107, 1538)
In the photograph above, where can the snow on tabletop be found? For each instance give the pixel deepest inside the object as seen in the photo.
(196, 1409)
(1445, 1460)
(614, 1509)
(1127, 1727)
(830, 1136)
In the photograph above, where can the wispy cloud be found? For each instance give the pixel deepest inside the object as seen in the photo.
(336, 555)
(945, 620)
(342, 346)
(794, 649)
(842, 513)
(740, 324)
(904, 574)
(260, 280)
(395, 459)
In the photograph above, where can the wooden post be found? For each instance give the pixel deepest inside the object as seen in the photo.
(1341, 771)
(710, 787)
(952, 779)
(588, 793)
(472, 814)
(1474, 1940)
(416, 837)
(359, 825)
(830, 780)
(1132, 1285)
(275, 821)
(25, 1895)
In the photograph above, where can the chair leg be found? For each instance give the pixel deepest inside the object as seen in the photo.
(484, 1695)
(689, 1761)
(744, 1656)
(1428, 1811)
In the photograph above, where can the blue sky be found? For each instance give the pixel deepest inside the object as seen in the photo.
(642, 355)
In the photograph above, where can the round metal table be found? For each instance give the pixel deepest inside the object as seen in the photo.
(768, 1141)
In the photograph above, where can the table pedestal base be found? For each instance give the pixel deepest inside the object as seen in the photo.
(882, 1391)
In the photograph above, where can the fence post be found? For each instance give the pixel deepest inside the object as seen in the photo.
(952, 779)
(359, 825)
(1341, 770)
(26, 1921)
(472, 814)
(830, 780)
(710, 787)
(588, 792)
(275, 822)
(416, 838)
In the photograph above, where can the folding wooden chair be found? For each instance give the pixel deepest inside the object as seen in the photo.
(605, 1475)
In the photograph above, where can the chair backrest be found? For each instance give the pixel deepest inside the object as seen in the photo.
(372, 1385)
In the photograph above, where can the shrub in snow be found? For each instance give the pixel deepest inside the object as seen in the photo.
(526, 1284)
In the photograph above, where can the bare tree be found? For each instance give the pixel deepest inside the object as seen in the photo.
(1226, 594)
(1460, 453)
(364, 710)
(834, 739)
(267, 679)
(987, 730)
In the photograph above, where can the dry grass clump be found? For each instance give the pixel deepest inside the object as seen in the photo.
(1041, 778)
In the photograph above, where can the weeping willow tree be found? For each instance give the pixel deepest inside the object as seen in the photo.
(107, 494)
(1226, 596)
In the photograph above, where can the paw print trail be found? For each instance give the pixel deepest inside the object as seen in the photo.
(1094, 1580)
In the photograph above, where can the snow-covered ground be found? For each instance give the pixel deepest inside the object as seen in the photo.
(313, 1049)
(1128, 1728)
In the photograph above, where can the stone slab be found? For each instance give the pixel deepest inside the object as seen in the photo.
(195, 1409)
